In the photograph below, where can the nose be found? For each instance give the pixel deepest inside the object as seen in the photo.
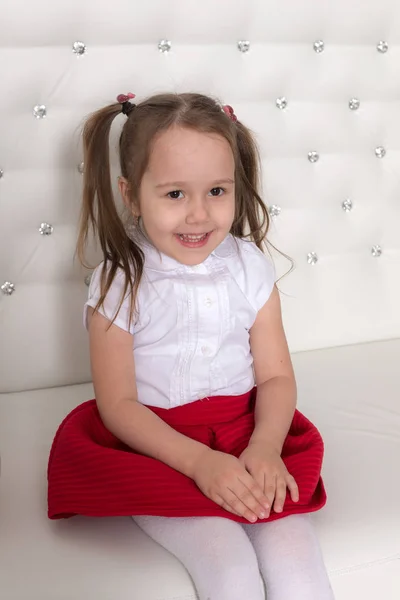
(197, 211)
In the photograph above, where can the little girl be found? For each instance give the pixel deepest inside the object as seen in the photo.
(194, 430)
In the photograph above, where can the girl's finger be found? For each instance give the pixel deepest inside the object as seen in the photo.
(236, 504)
(280, 494)
(256, 490)
(293, 487)
(226, 506)
(261, 478)
(270, 488)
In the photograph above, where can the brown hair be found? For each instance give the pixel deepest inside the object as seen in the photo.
(145, 121)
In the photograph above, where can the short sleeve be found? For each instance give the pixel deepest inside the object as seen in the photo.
(259, 274)
(112, 300)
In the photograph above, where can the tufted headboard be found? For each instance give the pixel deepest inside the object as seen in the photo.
(319, 84)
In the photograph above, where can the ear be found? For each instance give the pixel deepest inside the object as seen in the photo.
(124, 189)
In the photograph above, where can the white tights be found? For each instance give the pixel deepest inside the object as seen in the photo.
(224, 558)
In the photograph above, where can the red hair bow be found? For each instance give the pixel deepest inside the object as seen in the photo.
(228, 110)
(125, 97)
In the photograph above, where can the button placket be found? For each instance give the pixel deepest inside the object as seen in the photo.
(208, 337)
(208, 323)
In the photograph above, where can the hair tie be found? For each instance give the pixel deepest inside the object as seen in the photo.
(127, 107)
(228, 110)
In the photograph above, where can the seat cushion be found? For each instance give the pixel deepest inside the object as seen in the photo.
(350, 393)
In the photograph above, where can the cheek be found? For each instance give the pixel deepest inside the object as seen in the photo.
(160, 219)
(227, 211)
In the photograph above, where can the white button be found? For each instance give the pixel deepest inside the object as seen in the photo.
(208, 301)
(206, 350)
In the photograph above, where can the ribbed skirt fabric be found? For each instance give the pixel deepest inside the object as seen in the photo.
(92, 473)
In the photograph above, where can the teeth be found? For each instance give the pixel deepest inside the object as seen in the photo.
(192, 238)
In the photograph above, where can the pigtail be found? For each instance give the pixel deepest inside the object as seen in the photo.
(252, 213)
(99, 211)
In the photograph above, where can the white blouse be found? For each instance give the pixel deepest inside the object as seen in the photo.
(191, 338)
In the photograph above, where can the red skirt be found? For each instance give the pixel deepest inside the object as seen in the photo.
(92, 473)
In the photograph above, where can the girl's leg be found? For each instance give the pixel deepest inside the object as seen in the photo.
(290, 559)
(216, 552)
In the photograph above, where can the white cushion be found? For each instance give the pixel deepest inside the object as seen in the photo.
(348, 297)
(351, 393)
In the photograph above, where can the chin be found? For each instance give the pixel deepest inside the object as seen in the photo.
(194, 259)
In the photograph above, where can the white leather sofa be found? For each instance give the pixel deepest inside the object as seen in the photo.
(341, 305)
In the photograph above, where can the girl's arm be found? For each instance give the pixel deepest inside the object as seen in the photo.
(113, 373)
(276, 385)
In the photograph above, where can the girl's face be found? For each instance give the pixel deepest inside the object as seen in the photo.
(187, 194)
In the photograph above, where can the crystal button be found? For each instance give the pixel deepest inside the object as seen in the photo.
(46, 229)
(354, 104)
(281, 102)
(243, 46)
(312, 258)
(313, 157)
(8, 288)
(164, 46)
(380, 152)
(382, 47)
(208, 301)
(376, 251)
(39, 111)
(319, 46)
(274, 210)
(79, 48)
(347, 205)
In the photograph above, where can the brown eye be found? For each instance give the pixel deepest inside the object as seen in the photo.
(216, 191)
(174, 195)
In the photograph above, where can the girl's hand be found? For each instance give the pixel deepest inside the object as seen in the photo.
(224, 479)
(265, 464)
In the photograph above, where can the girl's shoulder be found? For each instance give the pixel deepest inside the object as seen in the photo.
(251, 269)
(117, 283)
(115, 295)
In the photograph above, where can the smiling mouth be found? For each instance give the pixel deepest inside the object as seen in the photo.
(188, 237)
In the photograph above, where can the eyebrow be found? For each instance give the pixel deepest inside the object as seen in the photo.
(183, 183)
